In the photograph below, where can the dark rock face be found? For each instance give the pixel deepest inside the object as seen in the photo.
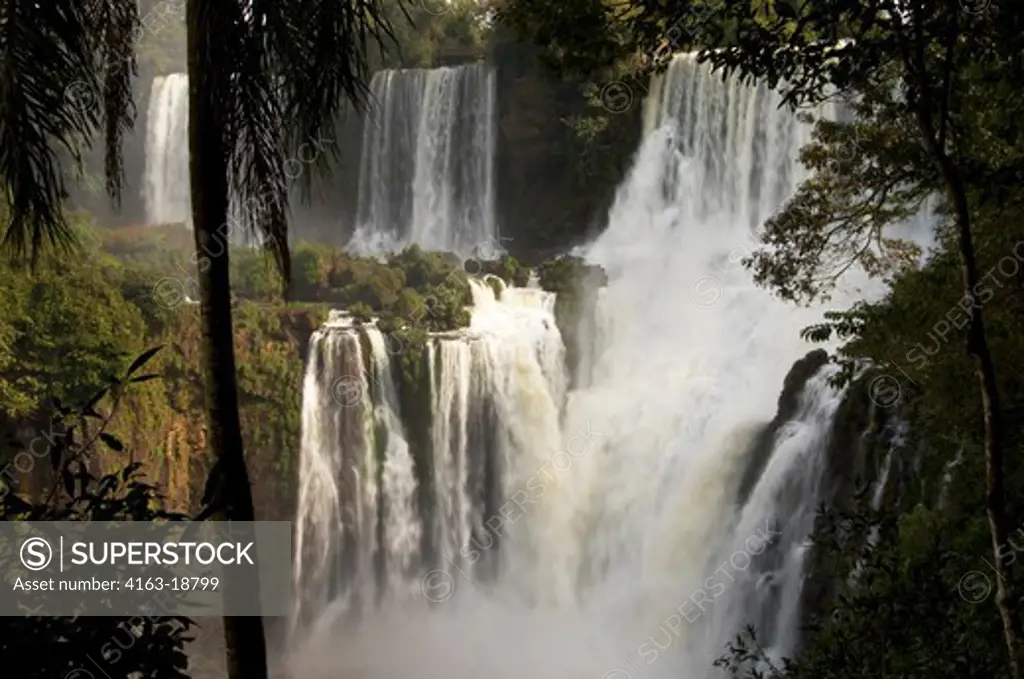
(789, 399)
(868, 461)
(867, 445)
(796, 380)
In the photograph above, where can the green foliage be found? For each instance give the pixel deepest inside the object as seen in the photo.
(865, 178)
(253, 276)
(497, 286)
(908, 614)
(576, 285)
(917, 335)
(427, 32)
(150, 647)
(69, 77)
(427, 288)
(361, 312)
(309, 269)
(599, 145)
(423, 268)
(410, 342)
(579, 36)
(567, 273)
(64, 331)
(507, 268)
(409, 303)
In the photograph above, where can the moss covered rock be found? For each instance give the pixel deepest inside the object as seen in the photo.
(576, 285)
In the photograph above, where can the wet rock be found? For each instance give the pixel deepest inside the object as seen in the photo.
(789, 399)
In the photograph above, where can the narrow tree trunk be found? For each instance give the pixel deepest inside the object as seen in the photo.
(977, 339)
(984, 367)
(208, 80)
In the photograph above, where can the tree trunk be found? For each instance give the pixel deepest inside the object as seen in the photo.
(984, 367)
(245, 643)
(977, 339)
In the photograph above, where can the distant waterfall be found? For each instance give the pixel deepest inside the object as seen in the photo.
(427, 173)
(166, 182)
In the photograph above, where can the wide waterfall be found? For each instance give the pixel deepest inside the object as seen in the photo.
(630, 527)
(166, 185)
(427, 174)
(380, 506)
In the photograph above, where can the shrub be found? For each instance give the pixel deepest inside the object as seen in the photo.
(44, 647)
(362, 313)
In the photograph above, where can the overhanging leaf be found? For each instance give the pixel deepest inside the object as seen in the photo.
(112, 441)
(143, 359)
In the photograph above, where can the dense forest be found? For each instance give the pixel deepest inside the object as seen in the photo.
(921, 581)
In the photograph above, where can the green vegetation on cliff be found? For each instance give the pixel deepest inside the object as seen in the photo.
(79, 433)
(78, 320)
(576, 285)
(926, 594)
(430, 289)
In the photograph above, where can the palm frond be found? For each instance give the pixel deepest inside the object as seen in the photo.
(117, 21)
(322, 58)
(256, 163)
(297, 66)
(54, 96)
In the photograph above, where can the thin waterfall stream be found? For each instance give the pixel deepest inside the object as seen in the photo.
(166, 183)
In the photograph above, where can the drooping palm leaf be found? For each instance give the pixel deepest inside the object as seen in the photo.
(255, 129)
(118, 23)
(67, 68)
(297, 64)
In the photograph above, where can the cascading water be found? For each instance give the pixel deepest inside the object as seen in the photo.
(628, 546)
(494, 391)
(330, 481)
(166, 182)
(357, 527)
(427, 173)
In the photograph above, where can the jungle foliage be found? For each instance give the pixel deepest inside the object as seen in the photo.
(147, 646)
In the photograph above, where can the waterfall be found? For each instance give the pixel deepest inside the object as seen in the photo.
(427, 174)
(357, 527)
(166, 182)
(627, 550)
(166, 185)
(331, 471)
(494, 394)
(400, 524)
(452, 392)
(695, 355)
